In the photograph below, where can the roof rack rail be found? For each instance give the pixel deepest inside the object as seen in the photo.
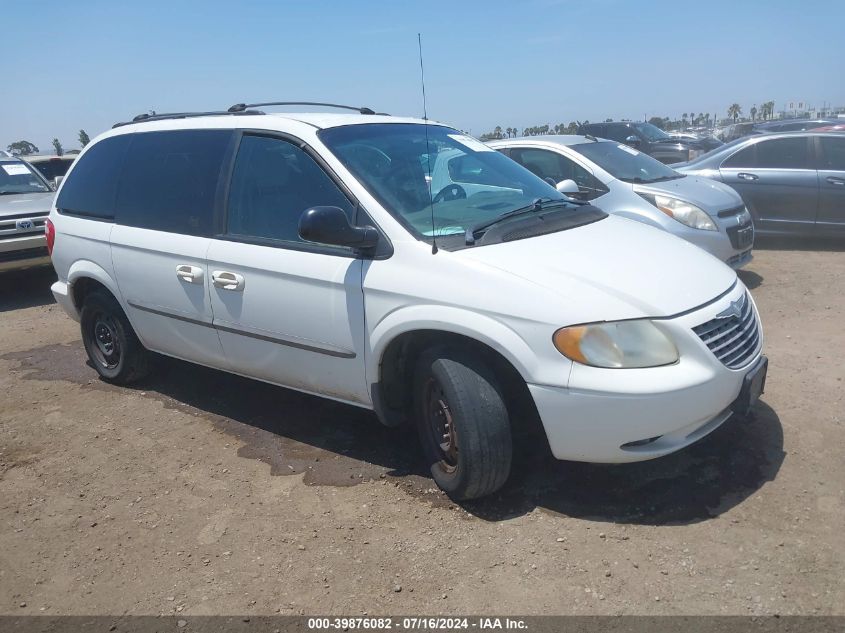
(241, 107)
(142, 118)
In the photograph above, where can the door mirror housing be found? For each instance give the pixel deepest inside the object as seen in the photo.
(57, 181)
(632, 141)
(568, 187)
(329, 225)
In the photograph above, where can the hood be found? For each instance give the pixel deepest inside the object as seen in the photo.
(708, 194)
(26, 203)
(613, 269)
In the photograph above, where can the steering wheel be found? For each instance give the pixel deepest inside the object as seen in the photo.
(449, 193)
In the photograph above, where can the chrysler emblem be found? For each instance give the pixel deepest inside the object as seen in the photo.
(24, 225)
(732, 311)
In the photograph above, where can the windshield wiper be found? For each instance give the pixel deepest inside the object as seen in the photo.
(537, 205)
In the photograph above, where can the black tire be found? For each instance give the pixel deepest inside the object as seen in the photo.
(463, 423)
(112, 345)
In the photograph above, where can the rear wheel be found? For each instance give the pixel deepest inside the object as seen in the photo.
(112, 346)
(463, 423)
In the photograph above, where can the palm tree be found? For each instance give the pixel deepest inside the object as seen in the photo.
(753, 113)
(498, 131)
(734, 111)
(767, 110)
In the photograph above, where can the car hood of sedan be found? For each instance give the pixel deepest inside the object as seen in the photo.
(25, 204)
(705, 193)
(613, 269)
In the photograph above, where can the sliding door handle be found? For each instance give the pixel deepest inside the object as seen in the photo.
(189, 274)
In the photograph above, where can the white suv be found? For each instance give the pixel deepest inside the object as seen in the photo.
(307, 250)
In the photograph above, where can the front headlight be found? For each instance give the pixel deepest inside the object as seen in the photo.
(683, 212)
(623, 344)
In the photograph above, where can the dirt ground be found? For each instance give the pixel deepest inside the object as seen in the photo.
(202, 493)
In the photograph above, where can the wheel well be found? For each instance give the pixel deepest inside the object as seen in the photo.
(397, 367)
(84, 286)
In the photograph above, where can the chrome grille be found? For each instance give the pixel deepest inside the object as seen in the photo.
(733, 335)
(22, 225)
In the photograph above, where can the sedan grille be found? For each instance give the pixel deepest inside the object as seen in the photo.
(734, 334)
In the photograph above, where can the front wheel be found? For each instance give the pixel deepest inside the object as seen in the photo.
(463, 423)
(112, 345)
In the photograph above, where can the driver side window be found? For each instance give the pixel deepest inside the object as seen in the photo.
(273, 184)
(555, 167)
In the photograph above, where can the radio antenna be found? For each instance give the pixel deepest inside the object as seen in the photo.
(427, 151)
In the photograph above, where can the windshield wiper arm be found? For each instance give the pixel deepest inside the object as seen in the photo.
(537, 205)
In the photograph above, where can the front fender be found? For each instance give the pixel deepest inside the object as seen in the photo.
(479, 327)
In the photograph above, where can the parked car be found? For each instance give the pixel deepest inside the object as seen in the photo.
(792, 183)
(704, 138)
(626, 182)
(319, 260)
(53, 168)
(647, 138)
(837, 127)
(751, 128)
(791, 125)
(738, 130)
(25, 200)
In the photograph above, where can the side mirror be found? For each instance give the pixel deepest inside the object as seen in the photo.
(567, 186)
(57, 181)
(329, 225)
(632, 141)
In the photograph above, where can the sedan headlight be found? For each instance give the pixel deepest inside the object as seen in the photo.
(623, 344)
(682, 211)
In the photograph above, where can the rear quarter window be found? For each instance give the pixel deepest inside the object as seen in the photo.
(91, 186)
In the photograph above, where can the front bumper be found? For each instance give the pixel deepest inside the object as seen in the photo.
(23, 252)
(719, 244)
(628, 415)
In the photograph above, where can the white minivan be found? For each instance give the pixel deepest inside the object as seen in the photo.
(309, 251)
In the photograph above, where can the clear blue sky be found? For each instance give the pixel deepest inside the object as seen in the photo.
(86, 64)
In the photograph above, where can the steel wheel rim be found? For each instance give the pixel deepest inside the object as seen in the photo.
(106, 345)
(440, 425)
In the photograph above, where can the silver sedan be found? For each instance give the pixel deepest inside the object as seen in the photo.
(792, 183)
(625, 182)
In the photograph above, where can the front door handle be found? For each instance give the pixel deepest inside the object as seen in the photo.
(189, 274)
(746, 176)
(228, 281)
(833, 180)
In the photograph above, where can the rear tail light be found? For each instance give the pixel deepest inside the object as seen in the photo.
(50, 234)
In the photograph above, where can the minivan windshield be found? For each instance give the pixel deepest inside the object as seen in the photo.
(626, 163)
(651, 132)
(18, 177)
(419, 171)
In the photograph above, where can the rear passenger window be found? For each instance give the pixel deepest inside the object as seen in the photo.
(833, 153)
(273, 184)
(169, 180)
(91, 187)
